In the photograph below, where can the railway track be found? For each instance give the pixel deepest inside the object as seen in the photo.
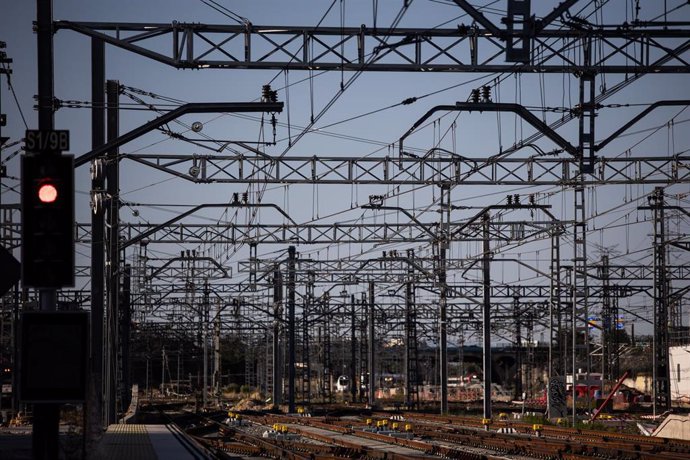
(408, 436)
(661, 447)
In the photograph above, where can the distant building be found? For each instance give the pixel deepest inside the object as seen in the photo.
(679, 366)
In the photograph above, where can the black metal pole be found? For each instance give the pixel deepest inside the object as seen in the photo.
(291, 329)
(487, 318)
(443, 244)
(46, 417)
(44, 36)
(306, 355)
(409, 325)
(363, 349)
(113, 278)
(277, 375)
(518, 349)
(353, 350)
(97, 249)
(372, 348)
(662, 390)
(443, 331)
(125, 320)
(204, 336)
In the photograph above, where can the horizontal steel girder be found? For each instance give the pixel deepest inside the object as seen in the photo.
(315, 233)
(401, 267)
(626, 49)
(418, 171)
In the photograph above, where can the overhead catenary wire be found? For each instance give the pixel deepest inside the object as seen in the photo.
(365, 115)
(6, 68)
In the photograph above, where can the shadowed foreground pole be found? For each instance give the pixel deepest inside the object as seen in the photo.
(46, 416)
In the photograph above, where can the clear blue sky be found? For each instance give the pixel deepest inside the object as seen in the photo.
(475, 135)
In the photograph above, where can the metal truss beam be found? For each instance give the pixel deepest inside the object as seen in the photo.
(638, 272)
(626, 49)
(385, 232)
(173, 292)
(240, 169)
(389, 271)
(182, 274)
(319, 234)
(258, 310)
(390, 264)
(398, 268)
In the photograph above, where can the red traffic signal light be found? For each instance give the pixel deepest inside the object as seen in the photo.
(47, 192)
(47, 220)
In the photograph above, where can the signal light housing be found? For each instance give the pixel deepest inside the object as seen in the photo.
(47, 220)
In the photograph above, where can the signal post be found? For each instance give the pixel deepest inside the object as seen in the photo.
(53, 345)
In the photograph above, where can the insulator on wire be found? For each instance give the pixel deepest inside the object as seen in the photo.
(474, 96)
(486, 93)
(266, 93)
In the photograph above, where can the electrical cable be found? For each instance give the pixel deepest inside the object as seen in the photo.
(225, 11)
(14, 94)
(365, 115)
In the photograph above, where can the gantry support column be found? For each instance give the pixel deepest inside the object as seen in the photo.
(276, 369)
(607, 323)
(95, 413)
(363, 347)
(125, 321)
(291, 328)
(309, 304)
(411, 377)
(486, 316)
(326, 344)
(587, 113)
(372, 348)
(206, 307)
(557, 356)
(217, 371)
(662, 389)
(518, 349)
(113, 253)
(556, 396)
(443, 243)
(353, 349)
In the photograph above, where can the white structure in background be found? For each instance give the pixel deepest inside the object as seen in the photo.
(679, 364)
(674, 426)
(342, 385)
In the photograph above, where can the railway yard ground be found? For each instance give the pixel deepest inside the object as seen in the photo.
(353, 431)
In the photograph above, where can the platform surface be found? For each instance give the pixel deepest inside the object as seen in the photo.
(144, 442)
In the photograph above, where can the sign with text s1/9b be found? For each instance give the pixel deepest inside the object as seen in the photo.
(46, 140)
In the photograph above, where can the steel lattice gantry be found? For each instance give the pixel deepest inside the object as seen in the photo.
(418, 171)
(628, 49)
(631, 49)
